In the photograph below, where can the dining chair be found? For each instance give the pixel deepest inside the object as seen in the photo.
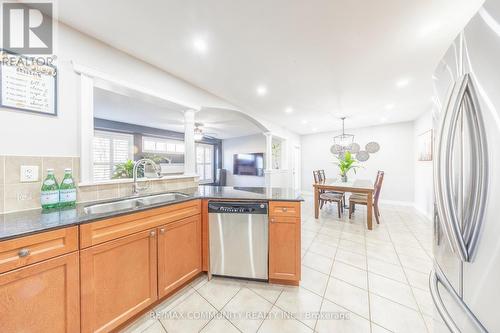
(362, 199)
(323, 177)
(329, 196)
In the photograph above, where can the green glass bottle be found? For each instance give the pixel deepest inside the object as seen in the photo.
(49, 197)
(67, 190)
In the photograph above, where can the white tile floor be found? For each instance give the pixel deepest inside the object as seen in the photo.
(356, 280)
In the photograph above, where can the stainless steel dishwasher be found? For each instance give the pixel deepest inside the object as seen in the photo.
(238, 239)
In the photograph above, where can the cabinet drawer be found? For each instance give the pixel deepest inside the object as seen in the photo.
(105, 230)
(27, 250)
(284, 209)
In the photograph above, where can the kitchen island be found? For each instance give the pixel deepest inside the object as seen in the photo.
(93, 269)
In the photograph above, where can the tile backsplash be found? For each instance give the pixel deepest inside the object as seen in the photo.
(16, 195)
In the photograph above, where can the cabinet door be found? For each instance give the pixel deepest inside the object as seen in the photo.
(179, 253)
(284, 249)
(43, 297)
(118, 280)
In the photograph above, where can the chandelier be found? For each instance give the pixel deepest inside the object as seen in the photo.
(344, 142)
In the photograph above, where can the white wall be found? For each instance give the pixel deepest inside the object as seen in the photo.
(245, 144)
(396, 157)
(424, 199)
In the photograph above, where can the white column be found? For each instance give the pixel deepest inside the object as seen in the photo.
(189, 153)
(269, 151)
(269, 159)
(86, 118)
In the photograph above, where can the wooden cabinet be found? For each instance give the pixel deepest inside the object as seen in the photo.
(43, 297)
(106, 230)
(179, 253)
(284, 209)
(284, 242)
(118, 280)
(19, 252)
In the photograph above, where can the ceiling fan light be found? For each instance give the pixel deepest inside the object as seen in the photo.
(198, 134)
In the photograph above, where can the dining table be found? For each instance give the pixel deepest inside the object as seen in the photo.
(362, 186)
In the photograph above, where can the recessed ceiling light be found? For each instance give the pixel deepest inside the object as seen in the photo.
(402, 83)
(389, 106)
(304, 121)
(200, 45)
(289, 109)
(261, 90)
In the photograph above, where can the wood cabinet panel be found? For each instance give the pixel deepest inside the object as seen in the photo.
(43, 297)
(19, 252)
(118, 280)
(204, 236)
(179, 253)
(103, 231)
(284, 209)
(284, 249)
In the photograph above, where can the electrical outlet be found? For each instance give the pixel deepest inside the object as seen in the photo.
(29, 173)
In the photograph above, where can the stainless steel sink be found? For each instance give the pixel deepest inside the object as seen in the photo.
(160, 198)
(128, 204)
(110, 207)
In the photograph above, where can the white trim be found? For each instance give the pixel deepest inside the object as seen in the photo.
(422, 213)
(398, 203)
(93, 73)
(86, 129)
(130, 180)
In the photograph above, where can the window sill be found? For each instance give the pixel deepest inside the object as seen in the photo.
(130, 180)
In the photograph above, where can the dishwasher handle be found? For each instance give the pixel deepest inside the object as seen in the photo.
(238, 207)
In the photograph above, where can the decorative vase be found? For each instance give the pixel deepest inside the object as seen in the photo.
(343, 178)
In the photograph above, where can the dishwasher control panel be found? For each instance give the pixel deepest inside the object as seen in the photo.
(237, 207)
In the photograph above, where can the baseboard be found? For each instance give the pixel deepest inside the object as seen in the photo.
(423, 213)
(398, 203)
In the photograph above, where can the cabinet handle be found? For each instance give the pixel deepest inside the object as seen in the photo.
(23, 253)
(162, 230)
(272, 221)
(152, 233)
(284, 209)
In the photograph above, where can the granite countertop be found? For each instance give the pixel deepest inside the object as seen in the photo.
(23, 223)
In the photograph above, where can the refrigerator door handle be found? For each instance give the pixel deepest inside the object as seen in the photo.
(442, 187)
(473, 217)
(437, 277)
(452, 117)
(438, 302)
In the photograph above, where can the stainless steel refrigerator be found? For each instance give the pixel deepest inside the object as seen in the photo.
(465, 282)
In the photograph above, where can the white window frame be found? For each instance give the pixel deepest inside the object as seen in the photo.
(177, 144)
(112, 163)
(203, 179)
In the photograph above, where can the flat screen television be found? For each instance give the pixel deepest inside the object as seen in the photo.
(251, 164)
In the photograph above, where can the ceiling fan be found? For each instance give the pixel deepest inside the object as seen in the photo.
(199, 134)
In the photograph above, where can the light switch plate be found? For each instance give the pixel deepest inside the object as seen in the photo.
(29, 173)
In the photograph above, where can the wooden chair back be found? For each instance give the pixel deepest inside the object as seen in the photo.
(316, 176)
(378, 186)
(322, 176)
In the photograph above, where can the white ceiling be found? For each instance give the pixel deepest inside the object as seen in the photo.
(217, 123)
(323, 58)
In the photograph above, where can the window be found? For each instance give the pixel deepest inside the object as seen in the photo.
(205, 163)
(157, 145)
(110, 149)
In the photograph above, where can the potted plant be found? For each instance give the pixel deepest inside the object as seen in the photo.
(346, 163)
(125, 170)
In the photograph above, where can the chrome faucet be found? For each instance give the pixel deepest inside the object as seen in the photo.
(144, 162)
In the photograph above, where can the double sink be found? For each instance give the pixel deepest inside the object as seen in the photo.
(133, 203)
